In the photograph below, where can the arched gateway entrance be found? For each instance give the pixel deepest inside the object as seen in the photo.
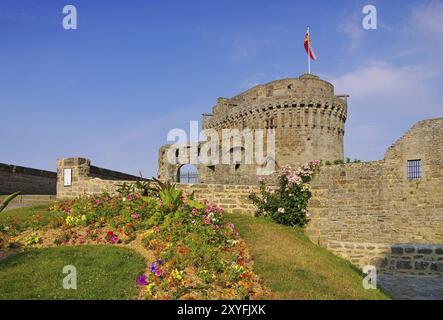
(187, 173)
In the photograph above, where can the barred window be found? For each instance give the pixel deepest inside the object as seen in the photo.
(414, 169)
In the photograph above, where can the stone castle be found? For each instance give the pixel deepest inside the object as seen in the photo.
(387, 212)
(307, 117)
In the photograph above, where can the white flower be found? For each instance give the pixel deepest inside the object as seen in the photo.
(281, 210)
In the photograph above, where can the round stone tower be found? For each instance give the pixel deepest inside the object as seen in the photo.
(307, 116)
(308, 119)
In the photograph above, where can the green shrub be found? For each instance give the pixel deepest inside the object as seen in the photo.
(286, 203)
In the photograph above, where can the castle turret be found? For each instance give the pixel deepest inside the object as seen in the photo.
(307, 116)
(308, 119)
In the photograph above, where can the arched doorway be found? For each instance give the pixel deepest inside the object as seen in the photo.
(187, 173)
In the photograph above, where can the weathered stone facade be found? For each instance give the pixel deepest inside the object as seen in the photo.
(232, 198)
(376, 201)
(27, 180)
(87, 179)
(420, 259)
(304, 113)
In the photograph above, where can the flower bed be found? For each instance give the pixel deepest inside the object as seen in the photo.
(192, 251)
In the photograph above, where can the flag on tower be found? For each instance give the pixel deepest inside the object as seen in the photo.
(308, 46)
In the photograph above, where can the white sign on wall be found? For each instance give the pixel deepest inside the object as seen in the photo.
(67, 177)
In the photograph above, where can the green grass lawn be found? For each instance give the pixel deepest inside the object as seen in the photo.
(103, 272)
(295, 268)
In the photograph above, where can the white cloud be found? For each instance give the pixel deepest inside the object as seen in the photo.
(428, 19)
(378, 78)
(385, 101)
(352, 28)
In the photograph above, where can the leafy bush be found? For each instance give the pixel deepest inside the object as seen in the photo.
(286, 203)
(340, 161)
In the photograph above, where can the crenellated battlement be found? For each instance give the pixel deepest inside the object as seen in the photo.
(308, 119)
(307, 93)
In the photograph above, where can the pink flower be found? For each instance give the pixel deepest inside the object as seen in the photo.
(135, 216)
(271, 189)
(115, 239)
(159, 272)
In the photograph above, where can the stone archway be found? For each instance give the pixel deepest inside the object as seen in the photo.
(187, 173)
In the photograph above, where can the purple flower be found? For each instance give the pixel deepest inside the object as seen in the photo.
(155, 267)
(142, 280)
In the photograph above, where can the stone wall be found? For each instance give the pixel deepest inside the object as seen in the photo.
(28, 200)
(376, 202)
(27, 180)
(419, 259)
(231, 198)
(88, 179)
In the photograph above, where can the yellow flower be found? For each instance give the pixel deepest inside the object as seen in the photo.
(147, 233)
(178, 275)
(83, 217)
(150, 289)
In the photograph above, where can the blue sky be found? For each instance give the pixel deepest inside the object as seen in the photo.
(112, 89)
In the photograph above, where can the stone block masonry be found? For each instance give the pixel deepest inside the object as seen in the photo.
(419, 259)
(230, 197)
(377, 201)
(306, 116)
(27, 180)
(87, 179)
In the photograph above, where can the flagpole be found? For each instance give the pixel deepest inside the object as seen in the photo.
(309, 48)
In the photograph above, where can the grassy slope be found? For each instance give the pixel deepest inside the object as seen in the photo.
(295, 268)
(103, 272)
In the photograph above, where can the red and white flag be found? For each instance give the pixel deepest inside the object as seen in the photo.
(308, 46)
